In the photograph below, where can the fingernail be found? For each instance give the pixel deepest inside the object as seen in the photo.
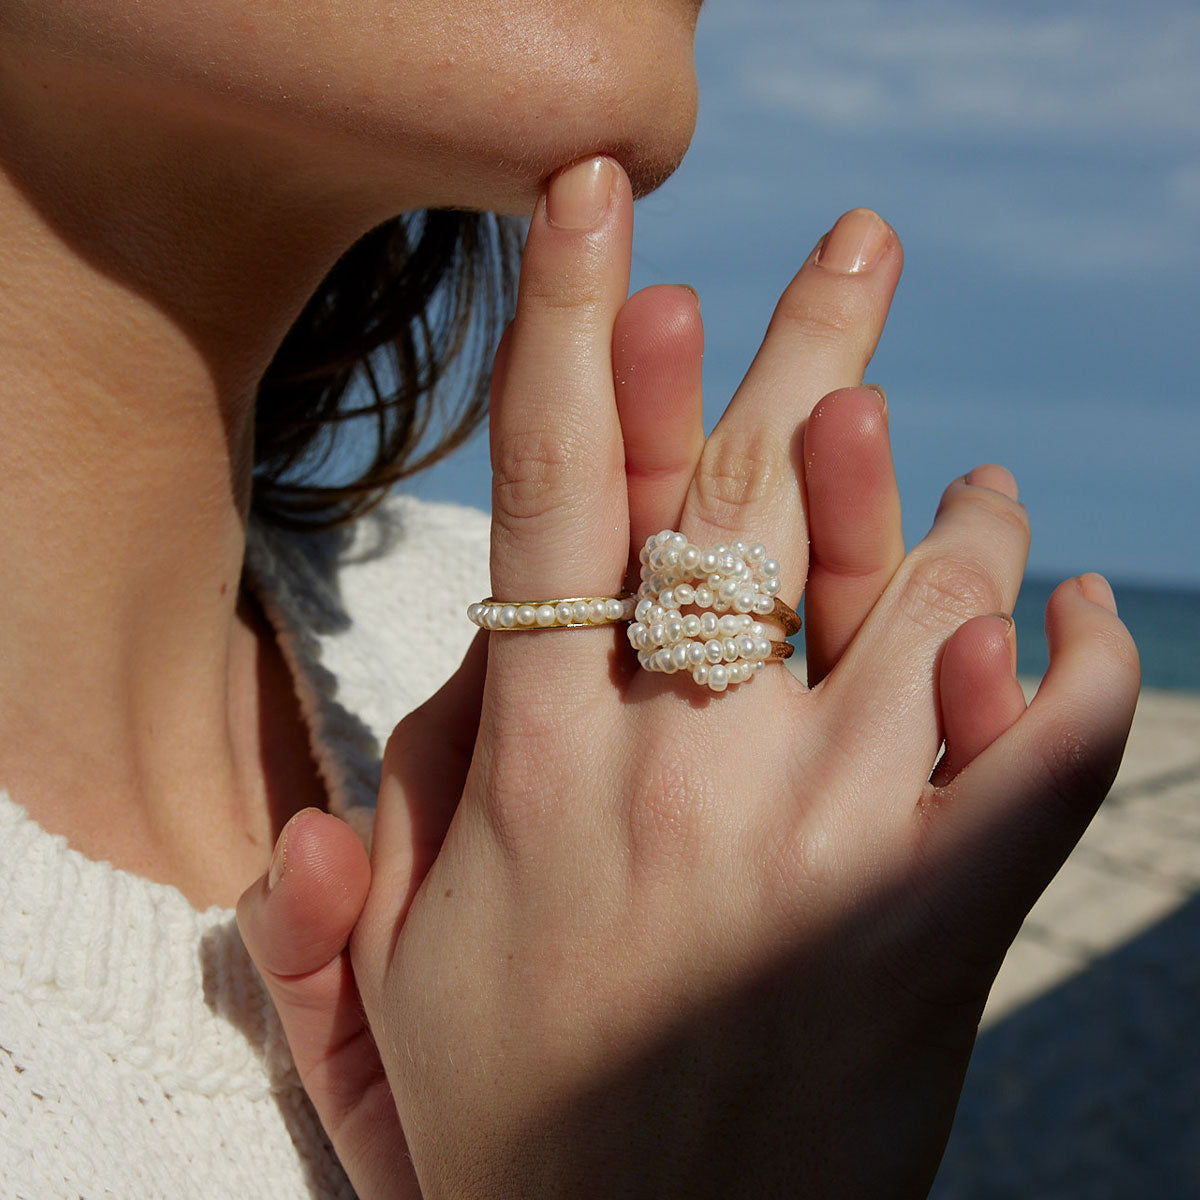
(1096, 589)
(1010, 637)
(878, 390)
(855, 243)
(995, 478)
(695, 294)
(279, 857)
(578, 196)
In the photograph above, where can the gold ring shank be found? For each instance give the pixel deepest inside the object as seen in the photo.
(785, 616)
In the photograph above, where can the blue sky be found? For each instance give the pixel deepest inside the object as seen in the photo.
(1042, 165)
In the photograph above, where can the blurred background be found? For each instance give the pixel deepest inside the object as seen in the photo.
(1041, 162)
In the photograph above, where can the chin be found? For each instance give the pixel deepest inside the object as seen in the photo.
(649, 150)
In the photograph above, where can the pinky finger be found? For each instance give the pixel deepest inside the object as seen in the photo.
(1001, 830)
(978, 693)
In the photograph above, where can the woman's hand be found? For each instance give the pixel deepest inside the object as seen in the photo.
(684, 944)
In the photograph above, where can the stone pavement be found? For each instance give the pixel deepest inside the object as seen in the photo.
(1085, 1083)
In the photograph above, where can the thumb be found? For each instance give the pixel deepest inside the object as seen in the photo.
(296, 922)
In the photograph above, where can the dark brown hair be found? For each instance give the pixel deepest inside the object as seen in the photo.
(410, 313)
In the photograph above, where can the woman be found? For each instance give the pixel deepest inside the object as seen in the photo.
(617, 936)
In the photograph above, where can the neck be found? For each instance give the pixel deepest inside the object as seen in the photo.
(139, 304)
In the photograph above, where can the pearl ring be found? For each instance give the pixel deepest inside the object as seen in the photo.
(734, 588)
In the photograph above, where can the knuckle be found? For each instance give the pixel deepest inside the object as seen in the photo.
(1077, 774)
(667, 816)
(534, 469)
(940, 593)
(521, 800)
(736, 474)
(1010, 514)
(832, 319)
(568, 292)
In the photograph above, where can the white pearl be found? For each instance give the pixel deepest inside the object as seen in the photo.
(679, 657)
(746, 646)
(684, 594)
(770, 567)
(704, 596)
(695, 654)
(598, 613)
(718, 678)
(727, 564)
(667, 599)
(756, 629)
(771, 587)
(690, 558)
(728, 625)
(692, 625)
(665, 536)
(764, 606)
(700, 674)
(563, 613)
(614, 609)
(714, 651)
(526, 614)
(673, 631)
(656, 634)
(474, 613)
(762, 648)
(756, 553)
(545, 614)
(708, 562)
(508, 616)
(709, 623)
(744, 601)
(739, 548)
(729, 650)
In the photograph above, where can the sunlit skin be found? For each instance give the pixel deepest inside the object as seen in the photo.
(175, 179)
(717, 946)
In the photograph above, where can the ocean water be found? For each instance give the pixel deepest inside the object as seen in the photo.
(1164, 621)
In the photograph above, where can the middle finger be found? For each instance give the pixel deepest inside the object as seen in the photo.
(821, 337)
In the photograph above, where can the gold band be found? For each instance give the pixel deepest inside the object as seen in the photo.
(786, 616)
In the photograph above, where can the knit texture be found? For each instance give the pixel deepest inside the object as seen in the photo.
(139, 1052)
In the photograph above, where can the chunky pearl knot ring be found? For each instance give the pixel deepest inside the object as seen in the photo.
(735, 587)
(728, 591)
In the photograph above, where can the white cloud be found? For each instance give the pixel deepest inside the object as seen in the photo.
(934, 66)
(1056, 139)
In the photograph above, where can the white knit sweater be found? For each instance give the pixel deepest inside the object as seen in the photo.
(139, 1053)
